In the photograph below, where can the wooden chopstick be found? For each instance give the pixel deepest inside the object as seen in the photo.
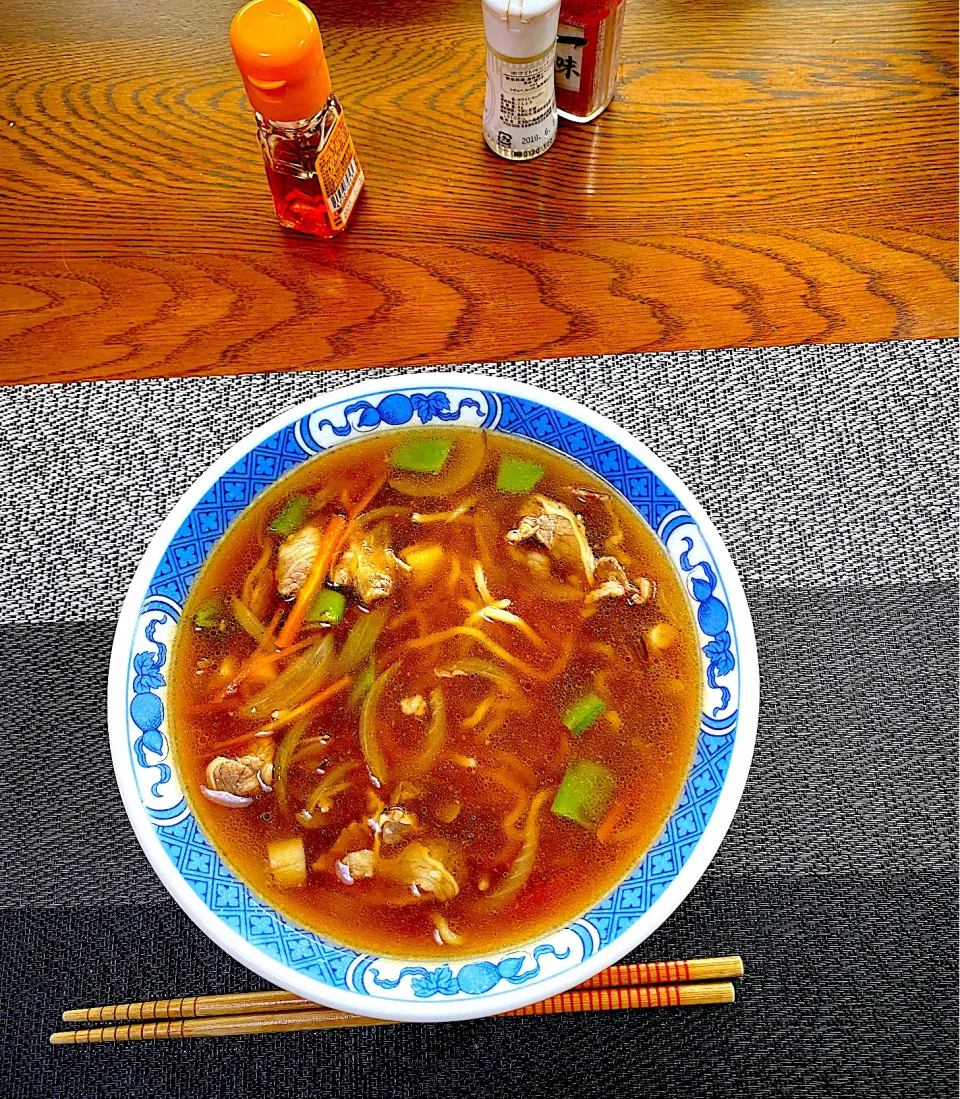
(606, 999)
(247, 1003)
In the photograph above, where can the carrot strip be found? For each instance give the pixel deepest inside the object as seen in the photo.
(615, 814)
(329, 544)
(247, 666)
(367, 498)
(219, 704)
(305, 707)
(280, 654)
(354, 513)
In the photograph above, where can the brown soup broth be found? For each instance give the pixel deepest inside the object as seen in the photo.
(471, 805)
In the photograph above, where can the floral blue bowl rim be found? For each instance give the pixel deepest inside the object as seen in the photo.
(413, 989)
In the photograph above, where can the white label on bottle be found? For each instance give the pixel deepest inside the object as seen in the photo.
(520, 110)
(570, 46)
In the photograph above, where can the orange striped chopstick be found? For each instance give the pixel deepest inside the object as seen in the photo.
(246, 1003)
(278, 1022)
(618, 999)
(653, 973)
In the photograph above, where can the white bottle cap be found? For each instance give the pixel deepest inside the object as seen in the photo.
(520, 28)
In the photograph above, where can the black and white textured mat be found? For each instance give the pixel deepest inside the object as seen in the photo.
(830, 473)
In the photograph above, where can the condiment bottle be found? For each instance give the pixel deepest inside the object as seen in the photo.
(588, 53)
(520, 111)
(311, 164)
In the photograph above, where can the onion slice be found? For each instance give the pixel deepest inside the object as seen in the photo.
(222, 797)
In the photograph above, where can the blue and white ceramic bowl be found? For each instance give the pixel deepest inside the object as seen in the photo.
(409, 989)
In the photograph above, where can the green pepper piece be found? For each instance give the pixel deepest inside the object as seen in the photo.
(585, 792)
(421, 455)
(583, 713)
(517, 474)
(209, 614)
(329, 607)
(293, 516)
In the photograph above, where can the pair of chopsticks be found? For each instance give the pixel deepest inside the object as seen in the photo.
(648, 984)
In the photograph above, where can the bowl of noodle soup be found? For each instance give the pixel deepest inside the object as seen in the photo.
(433, 697)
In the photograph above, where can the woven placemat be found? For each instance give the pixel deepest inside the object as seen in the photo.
(830, 473)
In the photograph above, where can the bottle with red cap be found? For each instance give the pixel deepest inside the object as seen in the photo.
(311, 164)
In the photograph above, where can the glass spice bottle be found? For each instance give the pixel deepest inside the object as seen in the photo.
(520, 107)
(588, 53)
(308, 154)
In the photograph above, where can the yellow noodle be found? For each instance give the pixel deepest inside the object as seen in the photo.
(479, 713)
(511, 819)
(497, 650)
(486, 733)
(512, 760)
(560, 666)
(400, 619)
(510, 784)
(481, 529)
(444, 516)
(494, 613)
(481, 581)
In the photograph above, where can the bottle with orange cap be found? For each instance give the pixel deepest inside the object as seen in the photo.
(311, 164)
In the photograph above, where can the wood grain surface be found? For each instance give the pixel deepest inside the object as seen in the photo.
(770, 172)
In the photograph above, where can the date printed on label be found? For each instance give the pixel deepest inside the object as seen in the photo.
(520, 111)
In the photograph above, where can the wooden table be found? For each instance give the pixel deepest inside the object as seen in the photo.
(770, 172)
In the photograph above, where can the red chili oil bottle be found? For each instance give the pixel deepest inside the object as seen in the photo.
(588, 53)
(308, 154)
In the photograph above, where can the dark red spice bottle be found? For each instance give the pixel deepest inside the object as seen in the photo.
(588, 53)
